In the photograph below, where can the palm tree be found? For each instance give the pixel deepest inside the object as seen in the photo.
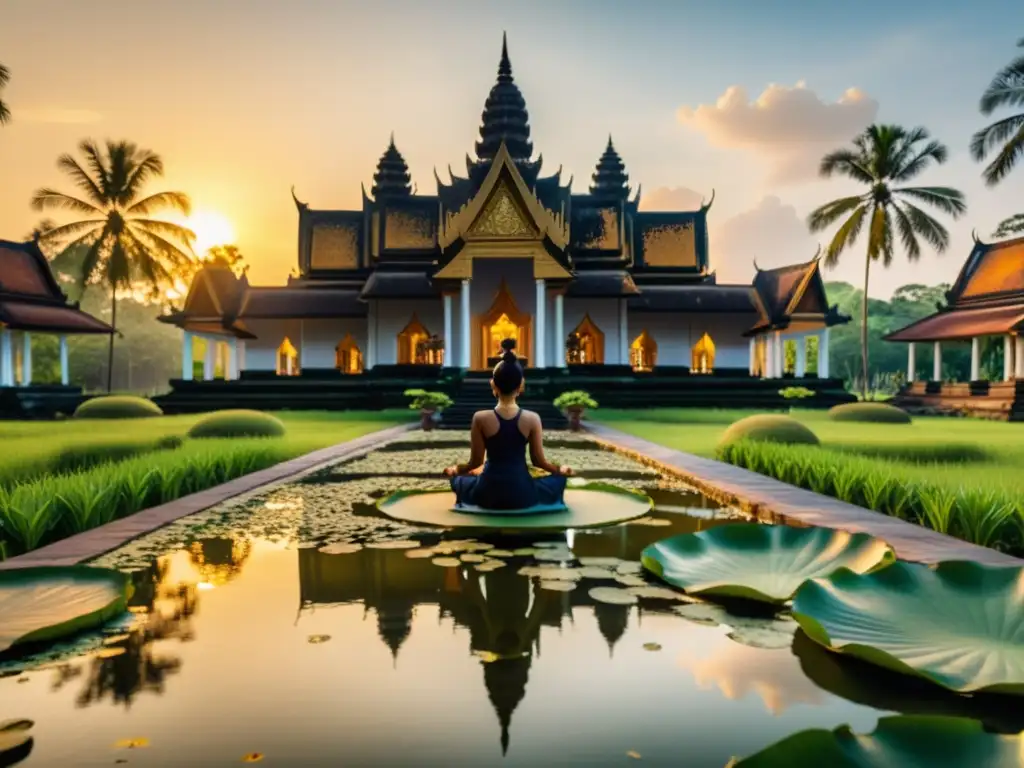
(1005, 90)
(5, 78)
(1012, 225)
(884, 155)
(117, 245)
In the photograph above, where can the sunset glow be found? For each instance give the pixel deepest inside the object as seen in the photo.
(211, 229)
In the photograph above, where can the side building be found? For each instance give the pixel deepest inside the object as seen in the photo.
(598, 293)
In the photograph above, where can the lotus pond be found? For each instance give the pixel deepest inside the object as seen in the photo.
(300, 627)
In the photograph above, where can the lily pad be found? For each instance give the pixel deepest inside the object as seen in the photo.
(558, 586)
(760, 562)
(612, 596)
(15, 741)
(914, 741)
(959, 624)
(41, 604)
(447, 562)
(340, 548)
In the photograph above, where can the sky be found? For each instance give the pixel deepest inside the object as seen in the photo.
(242, 100)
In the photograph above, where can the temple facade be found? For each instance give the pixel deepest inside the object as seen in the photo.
(584, 282)
(985, 308)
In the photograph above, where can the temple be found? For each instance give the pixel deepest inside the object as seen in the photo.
(415, 288)
(32, 303)
(985, 307)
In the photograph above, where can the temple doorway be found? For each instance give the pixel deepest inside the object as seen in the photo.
(287, 359)
(348, 358)
(585, 344)
(411, 340)
(703, 355)
(503, 321)
(643, 352)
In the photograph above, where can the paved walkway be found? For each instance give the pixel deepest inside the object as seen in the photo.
(93, 543)
(772, 500)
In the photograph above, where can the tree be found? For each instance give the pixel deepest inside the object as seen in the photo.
(226, 256)
(5, 78)
(1005, 90)
(884, 155)
(1013, 225)
(118, 245)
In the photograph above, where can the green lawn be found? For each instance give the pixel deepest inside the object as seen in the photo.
(964, 477)
(61, 478)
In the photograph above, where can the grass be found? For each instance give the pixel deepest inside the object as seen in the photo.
(62, 478)
(964, 477)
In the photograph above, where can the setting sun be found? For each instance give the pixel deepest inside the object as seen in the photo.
(211, 229)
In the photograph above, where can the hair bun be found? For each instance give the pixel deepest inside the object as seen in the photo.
(508, 345)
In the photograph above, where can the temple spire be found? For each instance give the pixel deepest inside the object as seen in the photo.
(505, 117)
(392, 178)
(610, 178)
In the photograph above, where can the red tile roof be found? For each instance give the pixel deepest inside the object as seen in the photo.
(963, 324)
(21, 316)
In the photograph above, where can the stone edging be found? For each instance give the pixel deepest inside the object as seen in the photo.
(771, 500)
(97, 541)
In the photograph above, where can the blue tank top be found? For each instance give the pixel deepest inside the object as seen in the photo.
(506, 448)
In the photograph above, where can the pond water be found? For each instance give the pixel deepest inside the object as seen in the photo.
(299, 628)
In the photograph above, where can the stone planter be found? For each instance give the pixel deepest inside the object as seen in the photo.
(575, 413)
(427, 418)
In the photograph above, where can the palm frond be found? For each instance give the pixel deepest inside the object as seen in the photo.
(946, 199)
(117, 271)
(912, 161)
(844, 162)
(1006, 88)
(58, 233)
(991, 136)
(877, 232)
(166, 229)
(177, 201)
(1014, 225)
(1006, 159)
(825, 216)
(69, 261)
(157, 247)
(845, 236)
(925, 226)
(146, 261)
(100, 172)
(5, 113)
(5, 75)
(82, 180)
(907, 234)
(92, 262)
(50, 198)
(143, 166)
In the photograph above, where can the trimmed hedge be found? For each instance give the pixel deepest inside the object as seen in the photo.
(769, 428)
(238, 423)
(118, 407)
(875, 413)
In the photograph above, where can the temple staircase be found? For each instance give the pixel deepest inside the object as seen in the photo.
(474, 394)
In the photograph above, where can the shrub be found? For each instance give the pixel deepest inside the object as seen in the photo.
(240, 423)
(575, 399)
(769, 428)
(877, 413)
(117, 407)
(422, 400)
(796, 393)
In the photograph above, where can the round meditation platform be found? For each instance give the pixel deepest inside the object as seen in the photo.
(587, 507)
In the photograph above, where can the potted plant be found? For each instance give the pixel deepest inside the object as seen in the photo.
(574, 403)
(428, 404)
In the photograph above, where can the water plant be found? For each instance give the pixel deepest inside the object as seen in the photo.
(760, 562)
(796, 393)
(957, 624)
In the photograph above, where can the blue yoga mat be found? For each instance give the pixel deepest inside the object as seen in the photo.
(536, 509)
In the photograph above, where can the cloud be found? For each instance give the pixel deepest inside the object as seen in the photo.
(671, 199)
(55, 115)
(772, 233)
(789, 127)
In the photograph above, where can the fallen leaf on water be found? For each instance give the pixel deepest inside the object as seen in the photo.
(252, 757)
(316, 639)
(652, 647)
(132, 744)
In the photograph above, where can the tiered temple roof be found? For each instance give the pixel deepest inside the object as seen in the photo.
(987, 298)
(30, 298)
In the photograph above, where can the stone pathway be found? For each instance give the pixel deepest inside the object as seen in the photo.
(90, 544)
(772, 500)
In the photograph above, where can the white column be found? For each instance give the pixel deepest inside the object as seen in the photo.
(1008, 348)
(823, 370)
(6, 359)
(540, 343)
(937, 362)
(64, 377)
(769, 357)
(801, 357)
(1019, 358)
(210, 359)
(302, 345)
(464, 330)
(752, 355)
(559, 330)
(26, 359)
(623, 332)
(448, 351)
(780, 355)
(370, 359)
(239, 357)
(911, 362)
(186, 355)
(975, 358)
(232, 361)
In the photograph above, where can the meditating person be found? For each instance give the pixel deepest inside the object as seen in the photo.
(501, 435)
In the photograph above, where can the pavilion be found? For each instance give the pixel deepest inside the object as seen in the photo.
(985, 302)
(31, 302)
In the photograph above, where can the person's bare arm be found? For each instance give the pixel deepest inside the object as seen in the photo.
(537, 457)
(476, 450)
